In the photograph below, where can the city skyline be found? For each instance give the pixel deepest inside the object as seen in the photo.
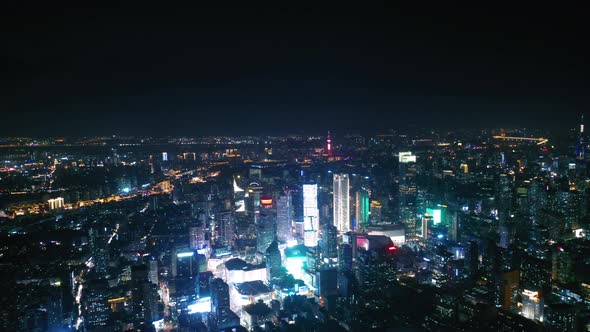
(294, 168)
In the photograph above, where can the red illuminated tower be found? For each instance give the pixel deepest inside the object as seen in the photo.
(329, 144)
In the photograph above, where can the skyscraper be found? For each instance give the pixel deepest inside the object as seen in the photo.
(311, 215)
(272, 257)
(284, 217)
(96, 309)
(329, 243)
(266, 233)
(341, 202)
(362, 205)
(329, 145)
(143, 293)
(98, 241)
(581, 146)
(219, 296)
(532, 304)
(407, 193)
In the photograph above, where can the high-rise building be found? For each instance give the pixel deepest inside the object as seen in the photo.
(96, 309)
(219, 295)
(507, 286)
(204, 284)
(375, 212)
(196, 234)
(266, 233)
(153, 272)
(143, 296)
(164, 156)
(341, 189)
(187, 265)
(453, 226)
(227, 232)
(532, 304)
(345, 260)
(98, 241)
(329, 243)
(472, 259)
(362, 208)
(407, 192)
(311, 215)
(329, 145)
(272, 257)
(581, 146)
(284, 217)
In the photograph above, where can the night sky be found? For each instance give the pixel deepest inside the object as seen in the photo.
(247, 70)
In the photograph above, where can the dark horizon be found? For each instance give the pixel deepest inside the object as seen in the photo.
(245, 70)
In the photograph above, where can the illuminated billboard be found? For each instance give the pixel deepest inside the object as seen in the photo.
(266, 201)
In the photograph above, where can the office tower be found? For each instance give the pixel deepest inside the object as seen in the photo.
(284, 217)
(581, 146)
(272, 258)
(95, 306)
(143, 297)
(329, 145)
(472, 258)
(219, 296)
(187, 265)
(506, 235)
(375, 214)
(153, 271)
(345, 260)
(311, 215)
(266, 233)
(562, 266)
(164, 156)
(407, 193)
(532, 304)
(98, 241)
(341, 202)
(227, 232)
(568, 205)
(239, 197)
(362, 205)
(426, 221)
(453, 226)
(253, 200)
(196, 233)
(204, 284)
(507, 284)
(534, 272)
(329, 242)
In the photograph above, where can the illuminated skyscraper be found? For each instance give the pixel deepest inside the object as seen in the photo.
(341, 202)
(532, 304)
(581, 146)
(284, 217)
(407, 192)
(98, 241)
(362, 205)
(311, 215)
(164, 156)
(329, 145)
